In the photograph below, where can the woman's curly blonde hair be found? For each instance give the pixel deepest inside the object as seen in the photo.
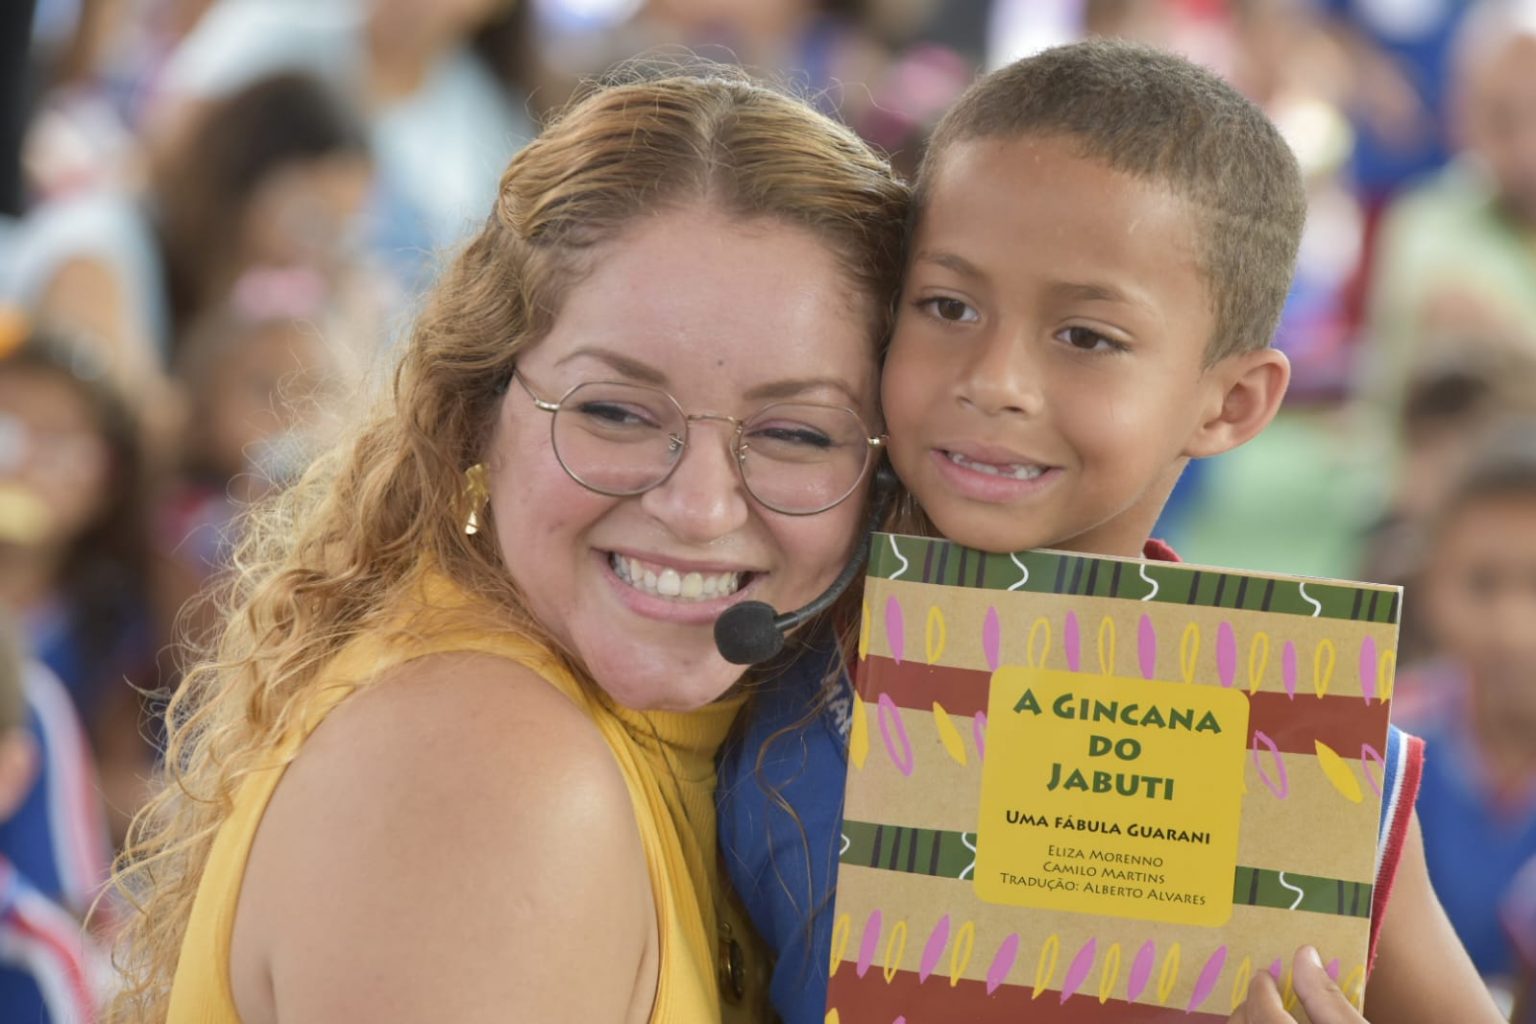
(328, 559)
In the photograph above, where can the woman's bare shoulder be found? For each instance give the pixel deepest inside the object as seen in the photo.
(479, 701)
(456, 838)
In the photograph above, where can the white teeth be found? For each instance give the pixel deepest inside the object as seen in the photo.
(665, 582)
(1015, 472)
(669, 583)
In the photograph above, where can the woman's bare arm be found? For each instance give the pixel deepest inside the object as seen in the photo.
(453, 843)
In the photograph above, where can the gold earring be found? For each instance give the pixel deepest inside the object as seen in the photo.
(476, 494)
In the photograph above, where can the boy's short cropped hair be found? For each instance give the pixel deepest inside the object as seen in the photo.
(1156, 116)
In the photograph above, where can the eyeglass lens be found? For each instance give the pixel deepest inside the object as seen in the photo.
(624, 439)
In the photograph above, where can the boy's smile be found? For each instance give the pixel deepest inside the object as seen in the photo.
(1048, 379)
(990, 473)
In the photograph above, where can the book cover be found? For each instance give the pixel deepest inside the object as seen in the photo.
(1089, 790)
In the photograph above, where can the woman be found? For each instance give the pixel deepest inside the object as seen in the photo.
(645, 392)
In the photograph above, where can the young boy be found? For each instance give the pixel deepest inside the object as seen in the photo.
(1104, 239)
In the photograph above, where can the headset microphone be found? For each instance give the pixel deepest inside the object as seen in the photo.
(752, 632)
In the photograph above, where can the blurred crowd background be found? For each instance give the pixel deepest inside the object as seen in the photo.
(216, 217)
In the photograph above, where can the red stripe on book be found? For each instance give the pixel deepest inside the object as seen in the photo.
(1295, 724)
(873, 1000)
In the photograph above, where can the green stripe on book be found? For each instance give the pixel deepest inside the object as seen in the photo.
(946, 854)
(936, 852)
(927, 560)
(1287, 890)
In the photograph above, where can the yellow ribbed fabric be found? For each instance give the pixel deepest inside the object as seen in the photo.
(667, 760)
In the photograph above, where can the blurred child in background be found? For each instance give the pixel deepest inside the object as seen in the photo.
(437, 82)
(274, 175)
(76, 569)
(1455, 262)
(56, 834)
(1451, 401)
(260, 381)
(1477, 802)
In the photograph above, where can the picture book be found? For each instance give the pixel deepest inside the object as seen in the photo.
(1088, 790)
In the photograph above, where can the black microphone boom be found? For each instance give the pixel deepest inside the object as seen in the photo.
(752, 632)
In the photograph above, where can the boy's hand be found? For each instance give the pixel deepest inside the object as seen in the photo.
(1322, 999)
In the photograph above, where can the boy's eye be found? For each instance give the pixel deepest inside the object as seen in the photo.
(950, 309)
(1089, 340)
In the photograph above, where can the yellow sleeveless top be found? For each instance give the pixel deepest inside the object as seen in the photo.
(666, 758)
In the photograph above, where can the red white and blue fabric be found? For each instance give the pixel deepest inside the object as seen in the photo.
(43, 973)
(58, 837)
(1401, 773)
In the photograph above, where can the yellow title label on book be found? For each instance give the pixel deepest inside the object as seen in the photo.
(1111, 796)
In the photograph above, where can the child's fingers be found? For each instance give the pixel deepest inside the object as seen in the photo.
(1324, 1000)
(1263, 1005)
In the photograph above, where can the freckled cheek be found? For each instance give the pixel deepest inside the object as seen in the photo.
(542, 515)
(814, 550)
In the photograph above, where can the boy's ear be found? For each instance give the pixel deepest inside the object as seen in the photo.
(1245, 393)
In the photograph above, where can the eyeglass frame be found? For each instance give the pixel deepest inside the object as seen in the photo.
(875, 443)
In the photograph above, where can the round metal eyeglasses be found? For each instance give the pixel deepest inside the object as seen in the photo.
(621, 439)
